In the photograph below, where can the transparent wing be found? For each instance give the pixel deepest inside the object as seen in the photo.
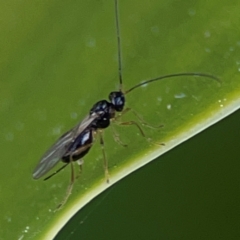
(57, 150)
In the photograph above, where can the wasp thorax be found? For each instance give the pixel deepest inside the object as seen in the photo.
(118, 100)
(102, 109)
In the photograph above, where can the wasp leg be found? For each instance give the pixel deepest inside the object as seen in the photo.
(116, 137)
(133, 123)
(121, 113)
(105, 162)
(61, 168)
(139, 117)
(140, 130)
(142, 121)
(70, 186)
(80, 163)
(137, 125)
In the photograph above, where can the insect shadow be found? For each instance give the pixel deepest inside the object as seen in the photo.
(76, 143)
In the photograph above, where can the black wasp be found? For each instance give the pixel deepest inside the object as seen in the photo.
(76, 143)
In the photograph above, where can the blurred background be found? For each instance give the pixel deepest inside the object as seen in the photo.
(58, 58)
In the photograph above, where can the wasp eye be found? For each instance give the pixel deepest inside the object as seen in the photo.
(118, 100)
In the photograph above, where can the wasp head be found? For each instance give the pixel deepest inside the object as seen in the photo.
(118, 100)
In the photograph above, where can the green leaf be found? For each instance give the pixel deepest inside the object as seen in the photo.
(58, 58)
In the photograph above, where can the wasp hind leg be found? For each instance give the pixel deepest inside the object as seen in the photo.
(60, 169)
(80, 170)
(105, 162)
(70, 186)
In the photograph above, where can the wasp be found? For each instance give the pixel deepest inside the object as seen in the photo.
(76, 143)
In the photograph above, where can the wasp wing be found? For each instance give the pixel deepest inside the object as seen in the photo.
(57, 150)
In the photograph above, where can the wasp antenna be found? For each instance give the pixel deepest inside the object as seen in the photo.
(193, 74)
(118, 46)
